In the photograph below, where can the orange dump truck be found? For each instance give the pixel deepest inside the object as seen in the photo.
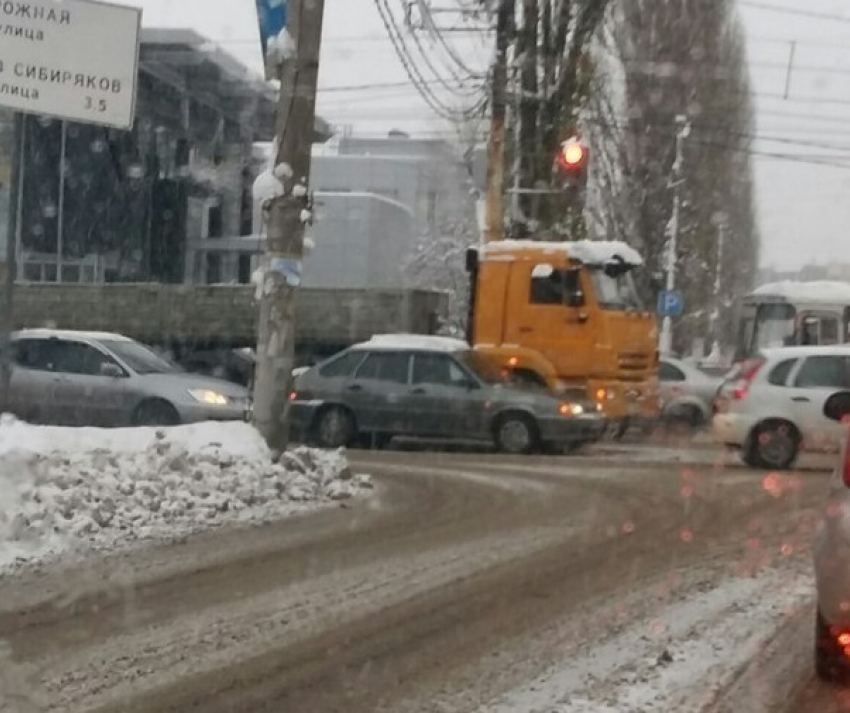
(568, 315)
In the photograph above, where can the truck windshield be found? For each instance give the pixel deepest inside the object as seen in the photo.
(615, 293)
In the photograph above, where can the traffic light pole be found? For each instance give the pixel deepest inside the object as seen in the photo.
(495, 215)
(666, 341)
(286, 218)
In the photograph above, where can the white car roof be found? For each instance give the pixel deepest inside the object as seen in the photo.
(70, 334)
(414, 342)
(798, 352)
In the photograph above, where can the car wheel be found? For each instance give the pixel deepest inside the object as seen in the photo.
(155, 412)
(773, 446)
(335, 427)
(830, 663)
(684, 419)
(516, 434)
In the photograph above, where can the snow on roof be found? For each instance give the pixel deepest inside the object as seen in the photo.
(590, 252)
(818, 291)
(418, 342)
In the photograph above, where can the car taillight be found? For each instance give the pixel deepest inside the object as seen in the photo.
(746, 374)
(300, 395)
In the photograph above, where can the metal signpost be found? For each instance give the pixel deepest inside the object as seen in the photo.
(74, 60)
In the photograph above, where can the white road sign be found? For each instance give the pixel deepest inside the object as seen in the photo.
(72, 59)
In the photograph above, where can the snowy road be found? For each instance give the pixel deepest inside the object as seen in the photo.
(626, 581)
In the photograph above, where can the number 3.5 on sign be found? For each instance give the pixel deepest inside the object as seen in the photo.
(98, 105)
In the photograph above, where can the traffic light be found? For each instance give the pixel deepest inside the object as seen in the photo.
(572, 158)
(571, 164)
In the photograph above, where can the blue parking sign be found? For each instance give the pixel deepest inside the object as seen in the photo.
(273, 15)
(671, 303)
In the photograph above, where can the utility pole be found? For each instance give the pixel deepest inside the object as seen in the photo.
(286, 217)
(718, 283)
(7, 313)
(673, 229)
(495, 215)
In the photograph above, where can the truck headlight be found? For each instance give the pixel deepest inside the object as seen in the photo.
(205, 396)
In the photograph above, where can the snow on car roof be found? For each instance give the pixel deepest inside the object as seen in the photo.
(73, 334)
(818, 291)
(414, 341)
(799, 351)
(590, 252)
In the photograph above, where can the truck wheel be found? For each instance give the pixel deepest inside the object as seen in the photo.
(516, 434)
(335, 427)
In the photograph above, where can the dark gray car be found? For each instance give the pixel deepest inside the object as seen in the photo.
(433, 387)
(97, 379)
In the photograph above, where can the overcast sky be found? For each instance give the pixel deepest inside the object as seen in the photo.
(804, 208)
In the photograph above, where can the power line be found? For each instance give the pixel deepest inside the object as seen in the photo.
(794, 11)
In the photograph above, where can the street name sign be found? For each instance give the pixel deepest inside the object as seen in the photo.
(72, 59)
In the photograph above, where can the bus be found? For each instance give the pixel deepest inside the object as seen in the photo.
(793, 313)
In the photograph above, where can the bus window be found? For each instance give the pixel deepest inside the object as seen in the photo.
(775, 326)
(819, 329)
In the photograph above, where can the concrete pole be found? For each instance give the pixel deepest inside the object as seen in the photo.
(285, 224)
(7, 313)
(666, 345)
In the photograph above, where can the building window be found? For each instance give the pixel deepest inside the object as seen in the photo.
(216, 221)
(213, 268)
(245, 269)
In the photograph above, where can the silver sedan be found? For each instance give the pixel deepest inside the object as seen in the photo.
(686, 393)
(100, 379)
(436, 388)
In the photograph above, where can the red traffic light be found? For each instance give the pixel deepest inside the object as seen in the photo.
(573, 155)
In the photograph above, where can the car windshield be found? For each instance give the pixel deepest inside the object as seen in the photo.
(140, 358)
(615, 293)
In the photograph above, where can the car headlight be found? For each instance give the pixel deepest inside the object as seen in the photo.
(568, 409)
(205, 396)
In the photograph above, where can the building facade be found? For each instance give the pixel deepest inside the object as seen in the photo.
(101, 205)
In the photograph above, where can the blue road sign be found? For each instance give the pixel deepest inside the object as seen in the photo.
(671, 303)
(273, 15)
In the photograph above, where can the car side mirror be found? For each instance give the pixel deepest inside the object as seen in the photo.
(837, 406)
(111, 370)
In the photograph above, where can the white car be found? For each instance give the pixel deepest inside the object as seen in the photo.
(772, 407)
(832, 562)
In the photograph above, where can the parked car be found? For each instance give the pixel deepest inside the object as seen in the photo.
(433, 387)
(100, 379)
(686, 392)
(832, 561)
(772, 407)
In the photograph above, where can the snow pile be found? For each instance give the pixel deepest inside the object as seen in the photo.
(63, 489)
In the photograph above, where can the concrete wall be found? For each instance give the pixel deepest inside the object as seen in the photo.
(221, 314)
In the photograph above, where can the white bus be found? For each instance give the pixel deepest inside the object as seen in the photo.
(792, 313)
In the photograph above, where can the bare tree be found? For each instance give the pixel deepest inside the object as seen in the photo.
(658, 60)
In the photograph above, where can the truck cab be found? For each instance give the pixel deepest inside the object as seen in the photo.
(568, 315)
